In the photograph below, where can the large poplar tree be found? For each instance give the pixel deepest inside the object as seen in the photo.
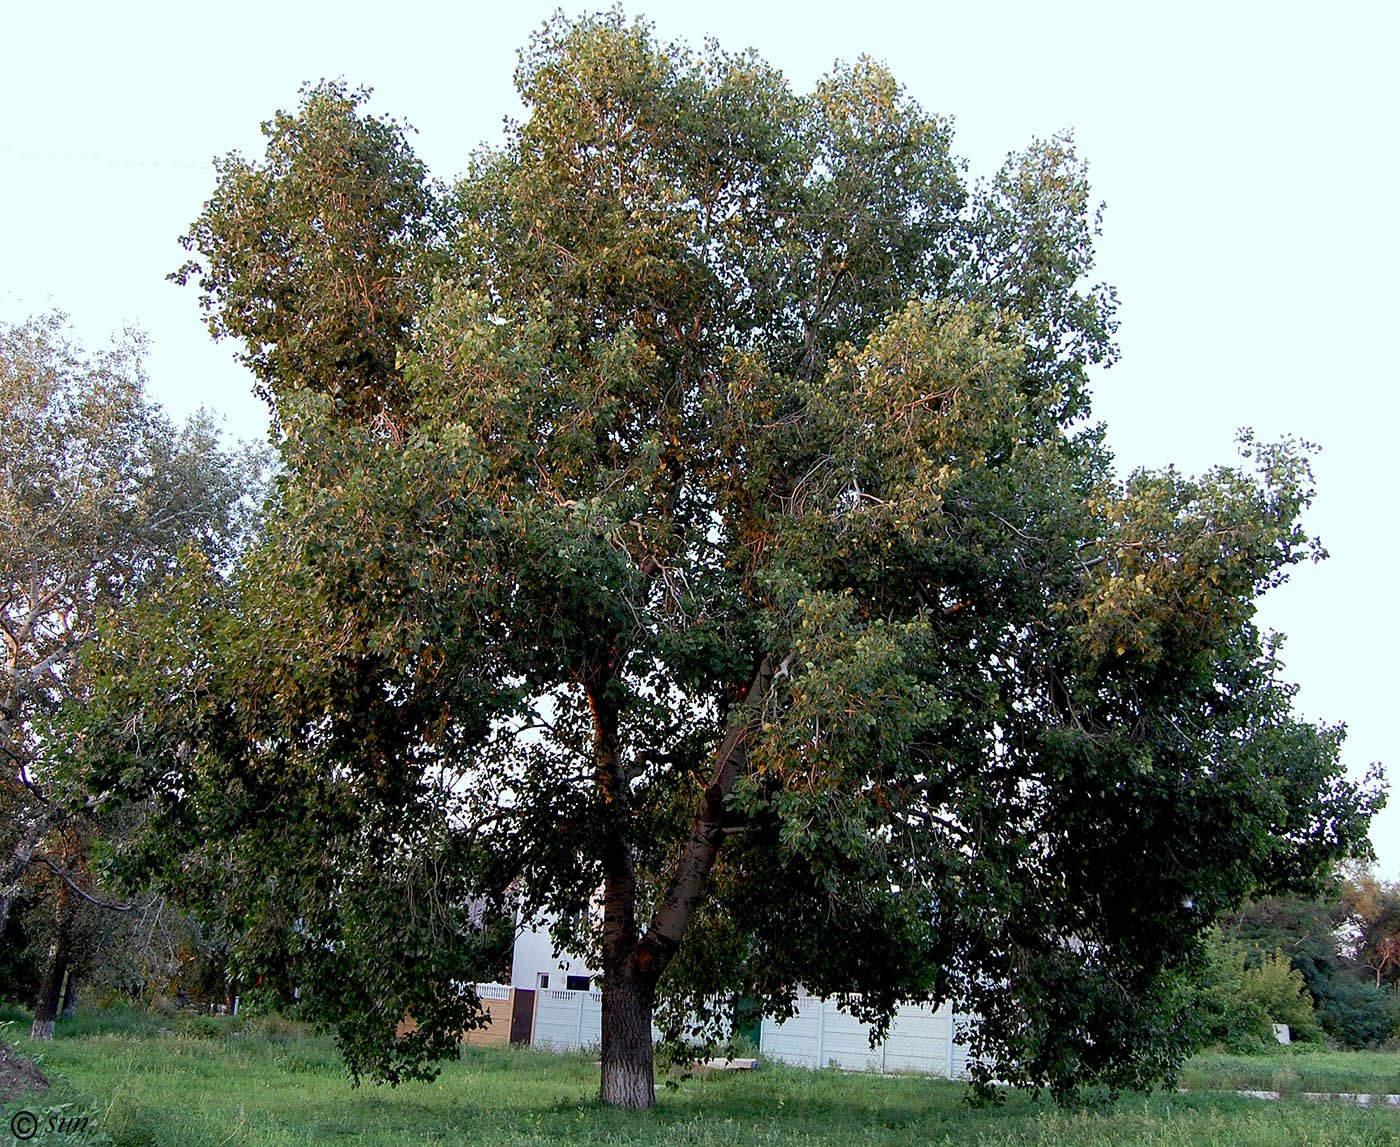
(690, 526)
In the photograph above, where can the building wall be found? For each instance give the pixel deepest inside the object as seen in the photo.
(534, 954)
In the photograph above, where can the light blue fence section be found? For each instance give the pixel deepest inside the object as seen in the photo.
(921, 1040)
(566, 1021)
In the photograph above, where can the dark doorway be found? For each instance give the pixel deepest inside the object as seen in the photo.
(522, 1016)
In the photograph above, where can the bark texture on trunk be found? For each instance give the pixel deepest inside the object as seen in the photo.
(628, 1071)
(50, 999)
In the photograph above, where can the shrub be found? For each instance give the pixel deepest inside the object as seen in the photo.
(1278, 990)
(1238, 998)
(1359, 1015)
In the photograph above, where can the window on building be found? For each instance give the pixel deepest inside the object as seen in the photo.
(578, 983)
(542, 980)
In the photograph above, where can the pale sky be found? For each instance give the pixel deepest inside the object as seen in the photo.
(1246, 154)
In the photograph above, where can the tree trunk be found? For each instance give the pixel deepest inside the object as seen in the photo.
(50, 999)
(629, 985)
(70, 994)
(633, 962)
(7, 897)
(15, 869)
(46, 1007)
(628, 1072)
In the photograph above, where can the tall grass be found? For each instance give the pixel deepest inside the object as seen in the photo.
(1294, 1071)
(172, 1082)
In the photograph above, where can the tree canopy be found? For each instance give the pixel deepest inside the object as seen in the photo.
(690, 526)
(99, 494)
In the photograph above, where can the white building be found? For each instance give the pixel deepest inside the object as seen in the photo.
(537, 965)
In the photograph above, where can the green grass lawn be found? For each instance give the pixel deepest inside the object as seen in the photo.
(218, 1082)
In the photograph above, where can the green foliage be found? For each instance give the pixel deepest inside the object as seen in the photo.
(721, 534)
(100, 494)
(20, 962)
(1278, 990)
(1359, 1015)
(1240, 996)
(1351, 1010)
(317, 259)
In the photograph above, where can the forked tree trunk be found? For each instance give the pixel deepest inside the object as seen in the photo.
(633, 963)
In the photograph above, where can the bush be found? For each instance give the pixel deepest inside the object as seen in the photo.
(1277, 988)
(1239, 997)
(1359, 1015)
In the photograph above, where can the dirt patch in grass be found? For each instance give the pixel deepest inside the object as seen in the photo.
(18, 1076)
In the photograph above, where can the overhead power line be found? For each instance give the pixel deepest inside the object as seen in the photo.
(121, 161)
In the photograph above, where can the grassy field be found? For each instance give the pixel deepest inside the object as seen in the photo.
(1298, 1070)
(144, 1082)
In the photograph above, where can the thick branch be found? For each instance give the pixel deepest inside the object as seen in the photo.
(619, 871)
(67, 879)
(707, 832)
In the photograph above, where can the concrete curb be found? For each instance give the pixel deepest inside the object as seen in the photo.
(1356, 1099)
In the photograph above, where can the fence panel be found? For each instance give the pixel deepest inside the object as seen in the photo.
(920, 1040)
(846, 1042)
(567, 1020)
(799, 1040)
(497, 1000)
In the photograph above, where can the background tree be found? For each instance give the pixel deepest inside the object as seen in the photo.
(734, 552)
(100, 493)
(1240, 994)
(1323, 937)
(1373, 907)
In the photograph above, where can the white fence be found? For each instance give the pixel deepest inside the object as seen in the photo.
(920, 1040)
(566, 1020)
